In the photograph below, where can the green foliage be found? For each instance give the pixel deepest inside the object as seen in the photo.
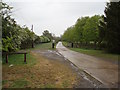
(112, 31)
(102, 31)
(44, 39)
(48, 35)
(109, 28)
(7, 44)
(15, 37)
(79, 27)
(69, 34)
(85, 30)
(90, 32)
(102, 28)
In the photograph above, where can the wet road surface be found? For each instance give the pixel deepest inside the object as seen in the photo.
(103, 71)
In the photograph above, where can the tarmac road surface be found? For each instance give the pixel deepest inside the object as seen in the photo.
(103, 71)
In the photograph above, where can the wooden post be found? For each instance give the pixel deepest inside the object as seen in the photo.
(72, 44)
(53, 43)
(6, 58)
(25, 57)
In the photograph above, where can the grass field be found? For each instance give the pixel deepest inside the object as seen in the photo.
(97, 53)
(18, 59)
(39, 72)
(42, 46)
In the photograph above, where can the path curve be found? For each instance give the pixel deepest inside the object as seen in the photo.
(103, 71)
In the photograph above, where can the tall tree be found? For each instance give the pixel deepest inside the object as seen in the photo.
(85, 30)
(79, 27)
(102, 33)
(91, 32)
(112, 20)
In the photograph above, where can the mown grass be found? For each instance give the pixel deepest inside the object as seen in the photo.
(39, 72)
(44, 74)
(18, 59)
(43, 46)
(19, 84)
(97, 53)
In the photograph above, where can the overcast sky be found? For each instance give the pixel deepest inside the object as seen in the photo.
(53, 15)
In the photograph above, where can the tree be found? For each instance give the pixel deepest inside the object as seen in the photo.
(102, 33)
(79, 27)
(69, 34)
(15, 37)
(112, 18)
(47, 34)
(7, 28)
(85, 30)
(90, 31)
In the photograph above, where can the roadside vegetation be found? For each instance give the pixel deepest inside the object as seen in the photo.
(39, 72)
(99, 32)
(16, 37)
(96, 32)
(97, 53)
(44, 46)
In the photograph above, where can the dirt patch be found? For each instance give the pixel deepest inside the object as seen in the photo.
(44, 74)
(81, 78)
(50, 71)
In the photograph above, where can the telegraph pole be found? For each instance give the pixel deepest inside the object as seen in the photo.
(32, 38)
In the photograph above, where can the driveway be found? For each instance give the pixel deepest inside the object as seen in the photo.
(103, 71)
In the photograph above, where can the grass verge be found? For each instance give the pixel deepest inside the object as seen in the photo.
(97, 53)
(43, 46)
(18, 59)
(39, 72)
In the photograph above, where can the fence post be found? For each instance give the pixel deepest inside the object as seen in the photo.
(6, 58)
(25, 57)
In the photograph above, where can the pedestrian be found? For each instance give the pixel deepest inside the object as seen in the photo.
(53, 43)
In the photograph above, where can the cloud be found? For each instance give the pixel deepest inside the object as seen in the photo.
(53, 16)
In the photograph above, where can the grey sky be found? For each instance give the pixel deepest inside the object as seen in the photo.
(55, 16)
